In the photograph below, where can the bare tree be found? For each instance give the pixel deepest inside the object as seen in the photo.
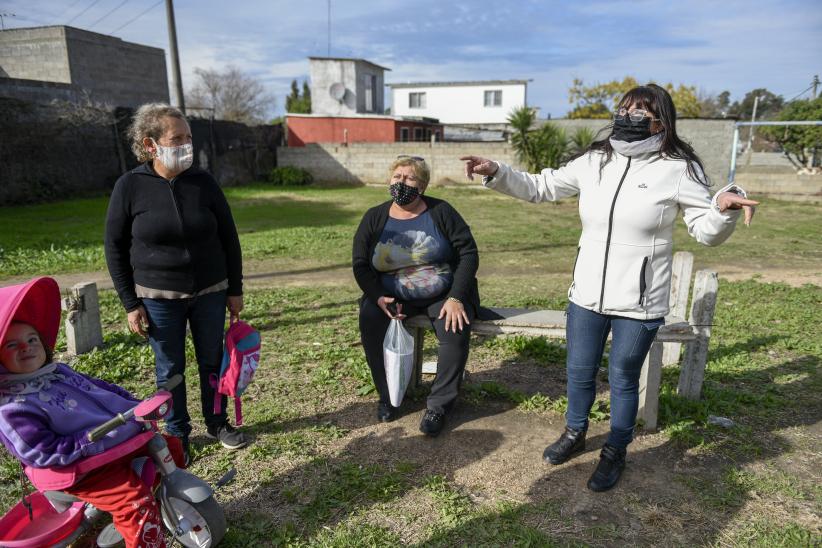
(232, 94)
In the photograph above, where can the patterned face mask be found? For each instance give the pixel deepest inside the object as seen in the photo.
(403, 194)
(177, 158)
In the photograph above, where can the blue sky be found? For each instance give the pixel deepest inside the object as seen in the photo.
(729, 45)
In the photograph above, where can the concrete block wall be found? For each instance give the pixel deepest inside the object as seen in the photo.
(35, 54)
(120, 73)
(781, 186)
(369, 162)
(103, 68)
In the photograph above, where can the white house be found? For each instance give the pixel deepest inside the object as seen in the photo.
(484, 102)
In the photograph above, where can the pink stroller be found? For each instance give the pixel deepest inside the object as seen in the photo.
(51, 517)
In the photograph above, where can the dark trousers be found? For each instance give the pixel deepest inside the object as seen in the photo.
(451, 357)
(586, 332)
(167, 319)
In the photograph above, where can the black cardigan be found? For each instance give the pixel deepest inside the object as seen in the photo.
(452, 226)
(177, 235)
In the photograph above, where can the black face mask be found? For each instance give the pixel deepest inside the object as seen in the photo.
(628, 131)
(403, 194)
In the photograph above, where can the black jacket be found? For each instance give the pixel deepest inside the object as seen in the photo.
(177, 235)
(452, 226)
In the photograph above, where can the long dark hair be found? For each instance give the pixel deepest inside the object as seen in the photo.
(656, 100)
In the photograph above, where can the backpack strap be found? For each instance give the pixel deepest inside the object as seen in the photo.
(214, 381)
(238, 411)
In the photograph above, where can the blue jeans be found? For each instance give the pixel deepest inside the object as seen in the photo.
(586, 332)
(167, 319)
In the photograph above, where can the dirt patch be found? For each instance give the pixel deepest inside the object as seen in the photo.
(266, 275)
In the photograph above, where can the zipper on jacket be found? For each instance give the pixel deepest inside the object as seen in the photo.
(610, 229)
(179, 216)
(642, 284)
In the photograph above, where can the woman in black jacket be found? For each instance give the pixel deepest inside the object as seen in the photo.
(415, 255)
(174, 256)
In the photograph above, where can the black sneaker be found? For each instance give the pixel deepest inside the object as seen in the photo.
(570, 443)
(230, 437)
(432, 423)
(608, 471)
(386, 412)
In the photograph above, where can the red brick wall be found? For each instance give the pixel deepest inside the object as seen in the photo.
(332, 130)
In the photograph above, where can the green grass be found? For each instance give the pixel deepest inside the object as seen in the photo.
(304, 227)
(318, 474)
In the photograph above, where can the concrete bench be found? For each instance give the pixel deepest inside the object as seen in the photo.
(695, 333)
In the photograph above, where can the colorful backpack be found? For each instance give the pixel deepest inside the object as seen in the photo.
(240, 360)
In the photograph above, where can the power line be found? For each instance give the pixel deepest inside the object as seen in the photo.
(68, 9)
(120, 5)
(94, 3)
(130, 21)
(803, 92)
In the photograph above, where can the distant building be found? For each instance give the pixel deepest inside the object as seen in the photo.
(341, 86)
(480, 102)
(348, 105)
(359, 128)
(60, 62)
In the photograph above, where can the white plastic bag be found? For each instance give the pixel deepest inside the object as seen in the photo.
(398, 354)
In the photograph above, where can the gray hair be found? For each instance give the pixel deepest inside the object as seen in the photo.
(148, 122)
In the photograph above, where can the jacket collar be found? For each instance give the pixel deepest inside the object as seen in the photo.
(146, 168)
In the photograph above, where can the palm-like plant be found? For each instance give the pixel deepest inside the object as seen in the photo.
(521, 120)
(581, 139)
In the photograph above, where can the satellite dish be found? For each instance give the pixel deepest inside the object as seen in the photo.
(337, 91)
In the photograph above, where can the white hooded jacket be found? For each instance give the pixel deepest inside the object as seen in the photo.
(623, 264)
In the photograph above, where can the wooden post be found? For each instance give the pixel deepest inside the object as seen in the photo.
(706, 285)
(649, 382)
(83, 331)
(681, 269)
(419, 339)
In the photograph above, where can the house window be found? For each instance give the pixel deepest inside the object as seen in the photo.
(418, 134)
(404, 134)
(493, 98)
(370, 93)
(416, 99)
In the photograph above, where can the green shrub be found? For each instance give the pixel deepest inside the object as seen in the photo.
(288, 175)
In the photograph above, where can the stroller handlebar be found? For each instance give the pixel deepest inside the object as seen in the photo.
(121, 418)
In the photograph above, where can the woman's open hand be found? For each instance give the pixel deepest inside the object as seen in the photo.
(384, 302)
(732, 200)
(454, 313)
(138, 321)
(479, 166)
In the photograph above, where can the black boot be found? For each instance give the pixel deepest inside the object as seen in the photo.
(386, 412)
(610, 467)
(569, 444)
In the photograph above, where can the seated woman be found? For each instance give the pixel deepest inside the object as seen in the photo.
(415, 255)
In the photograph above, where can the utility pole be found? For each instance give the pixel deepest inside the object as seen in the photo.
(329, 29)
(3, 24)
(177, 80)
(815, 83)
(753, 119)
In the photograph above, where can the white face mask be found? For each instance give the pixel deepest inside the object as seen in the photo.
(176, 159)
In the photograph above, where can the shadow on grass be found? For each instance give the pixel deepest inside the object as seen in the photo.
(373, 468)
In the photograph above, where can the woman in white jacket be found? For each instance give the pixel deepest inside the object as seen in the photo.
(631, 187)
